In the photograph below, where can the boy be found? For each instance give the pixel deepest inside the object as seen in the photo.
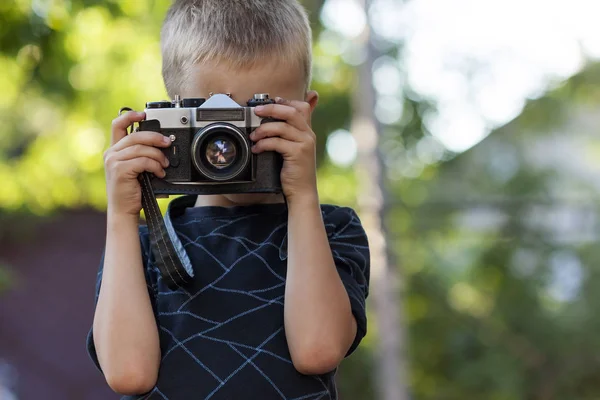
(278, 298)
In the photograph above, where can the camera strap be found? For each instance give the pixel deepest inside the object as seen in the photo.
(169, 254)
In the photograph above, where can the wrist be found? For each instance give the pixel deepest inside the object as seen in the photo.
(304, 200)
(119, 219)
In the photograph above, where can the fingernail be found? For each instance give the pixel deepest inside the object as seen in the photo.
(166, 139)
(278, 99)
(259, 108)
(166, 162)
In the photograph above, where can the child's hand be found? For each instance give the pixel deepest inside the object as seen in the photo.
(294, 140)
(127, 157)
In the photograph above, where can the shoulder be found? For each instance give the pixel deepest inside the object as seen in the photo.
(143, 230)
(349, 244)
(340, 218)
(344, 228)
(150, 269)
(144, 236)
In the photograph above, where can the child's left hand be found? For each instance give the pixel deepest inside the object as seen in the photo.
(294, 140)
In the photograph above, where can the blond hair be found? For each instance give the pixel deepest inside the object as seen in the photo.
(241, 33)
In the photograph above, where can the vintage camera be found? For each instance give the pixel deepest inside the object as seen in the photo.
(210, 150)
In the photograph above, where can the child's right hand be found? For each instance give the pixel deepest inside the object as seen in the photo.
(127, 157)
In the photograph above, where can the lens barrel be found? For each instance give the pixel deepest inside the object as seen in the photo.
(220, 152)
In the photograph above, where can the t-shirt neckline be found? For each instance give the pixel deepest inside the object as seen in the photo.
(185, 206)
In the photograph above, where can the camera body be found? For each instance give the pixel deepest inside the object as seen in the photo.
(210, 150)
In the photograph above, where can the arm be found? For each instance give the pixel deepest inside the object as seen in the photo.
(125, 332)
(319, 324)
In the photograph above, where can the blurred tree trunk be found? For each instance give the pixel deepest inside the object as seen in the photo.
(391, 376)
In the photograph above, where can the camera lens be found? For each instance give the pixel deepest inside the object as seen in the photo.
(221, 152)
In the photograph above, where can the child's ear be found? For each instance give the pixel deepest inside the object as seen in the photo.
(312, 98)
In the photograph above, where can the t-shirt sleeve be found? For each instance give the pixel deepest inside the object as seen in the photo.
(150, 283)
(350, 249)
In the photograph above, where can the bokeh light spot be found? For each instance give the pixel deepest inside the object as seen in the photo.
(344, 16)
(341, 148)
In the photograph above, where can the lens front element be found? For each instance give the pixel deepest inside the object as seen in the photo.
(221, 152)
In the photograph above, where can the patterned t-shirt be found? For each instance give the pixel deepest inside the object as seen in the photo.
(222, 336)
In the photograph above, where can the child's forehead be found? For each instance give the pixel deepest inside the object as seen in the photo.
(274, 77)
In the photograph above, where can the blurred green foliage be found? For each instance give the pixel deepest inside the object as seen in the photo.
(498, 247)
(470, 233)
(68, 67)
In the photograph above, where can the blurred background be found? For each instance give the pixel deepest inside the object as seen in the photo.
(465, 133)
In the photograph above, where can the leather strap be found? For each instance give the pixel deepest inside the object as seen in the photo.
(169, 254)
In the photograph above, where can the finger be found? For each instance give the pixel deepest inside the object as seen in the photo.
(122, 122)
(282, 146)
(140, 150)
(273, 129)
(138, 165)
(284, 112)
(302, 106)
(143, 137)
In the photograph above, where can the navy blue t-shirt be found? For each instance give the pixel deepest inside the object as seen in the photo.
(222, 336)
